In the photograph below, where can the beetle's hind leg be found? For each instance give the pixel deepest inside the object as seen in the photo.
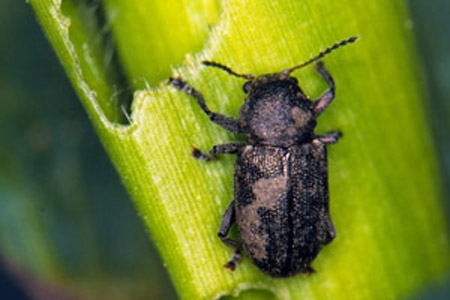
(213, 154)
(331, 231)
(228, 219)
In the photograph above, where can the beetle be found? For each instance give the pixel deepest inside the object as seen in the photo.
(281, 197)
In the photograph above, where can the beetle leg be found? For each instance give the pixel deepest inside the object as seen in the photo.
(228, 219)
(213, 154)
(228, 123)
(331, 231)
(325, 100)
(331, 137)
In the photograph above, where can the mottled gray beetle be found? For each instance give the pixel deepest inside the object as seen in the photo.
(281, 174)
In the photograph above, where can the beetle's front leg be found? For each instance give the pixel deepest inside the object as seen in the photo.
(228, 219)
(228, 123)
(229, 148)
(331, 137)
(325, 100)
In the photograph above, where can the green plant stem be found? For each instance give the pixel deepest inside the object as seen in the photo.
(385, 194)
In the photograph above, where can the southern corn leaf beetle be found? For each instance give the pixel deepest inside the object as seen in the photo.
(281, 198)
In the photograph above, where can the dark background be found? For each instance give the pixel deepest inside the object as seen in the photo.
(48, 149)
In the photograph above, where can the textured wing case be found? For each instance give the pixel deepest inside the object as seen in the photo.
(281, 198)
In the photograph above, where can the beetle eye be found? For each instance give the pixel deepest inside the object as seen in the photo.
(247, 86)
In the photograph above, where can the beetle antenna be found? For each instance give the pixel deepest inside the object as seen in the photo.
(322, 54)
(228, 70)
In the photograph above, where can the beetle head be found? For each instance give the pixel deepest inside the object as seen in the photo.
(267, 79)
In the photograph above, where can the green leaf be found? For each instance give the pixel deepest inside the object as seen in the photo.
(386, 199)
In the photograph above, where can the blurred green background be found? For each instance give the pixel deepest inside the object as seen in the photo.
(64, 214)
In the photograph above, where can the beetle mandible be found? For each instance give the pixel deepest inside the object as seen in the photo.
(281, 198)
